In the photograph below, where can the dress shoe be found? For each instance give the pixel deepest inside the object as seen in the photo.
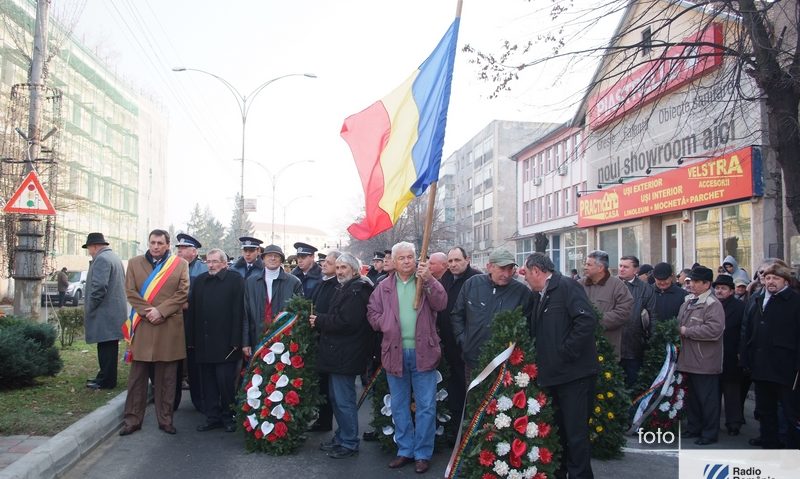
(128, 430)
(328, 446)
(209, 426)
(733, 431)
(230, 427)
(92, 385)
(317, 427)
(400, 461)
(758, 442)
(168, 428)
(340, 452)
(370, 436)
(704, 441)
(421, 465)
(689, 434)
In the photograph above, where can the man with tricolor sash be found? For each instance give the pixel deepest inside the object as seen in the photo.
(157, 286)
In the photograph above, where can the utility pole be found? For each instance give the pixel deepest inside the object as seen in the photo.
(29, 253)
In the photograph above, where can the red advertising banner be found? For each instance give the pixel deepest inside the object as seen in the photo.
(692, 57)
(709, 182)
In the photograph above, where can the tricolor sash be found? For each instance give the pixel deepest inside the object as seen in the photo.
(150, 288)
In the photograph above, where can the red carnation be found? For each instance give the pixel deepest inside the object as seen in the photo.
(294, 347)
(521, 424)
(270, 389)
(514, 461)
(491, 408)
(507, 379)
(488, 475)
(540, 475)
(257, 370)
(245, 407)
(259, 434)
(297, 383)
(544, 429)
(531, 370)
(287, 416)
(292, 398)
(274, 378)
(264, 413)
(486, 458)
(267, 403)
(519, 400)
(246, 425)
(545, 455)
(281, 429)
(490, 436)
(297, 362)
(517, 356)
(518, 448)
(271, 437)
(279, 367)
(541, 399)
(264, 353)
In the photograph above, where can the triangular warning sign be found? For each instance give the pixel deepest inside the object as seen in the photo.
(30, 198)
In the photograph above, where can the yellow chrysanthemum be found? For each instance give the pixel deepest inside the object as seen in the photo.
(607, 375)
(591, 420)
(609, 395)
(600, 358)
(610, 415)
(599, 429)
(597, 410)
(600, 396)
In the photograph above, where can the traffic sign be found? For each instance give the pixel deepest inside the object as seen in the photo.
(30, 198)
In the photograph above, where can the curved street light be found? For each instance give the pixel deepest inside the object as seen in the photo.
(243, 102)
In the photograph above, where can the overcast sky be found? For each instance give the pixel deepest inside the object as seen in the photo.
(359, 50)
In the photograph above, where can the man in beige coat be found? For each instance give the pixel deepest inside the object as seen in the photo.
(158, 340)
(609, 295)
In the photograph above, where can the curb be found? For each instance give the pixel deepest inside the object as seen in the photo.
(63, 450)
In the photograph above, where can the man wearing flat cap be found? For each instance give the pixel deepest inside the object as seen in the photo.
(771, 353)
(732, 376)
(377, 266)
(266, 294)
(702, 322)
(249, 262)
(307, 271)
(187, 247)
(105, 308)
(481, 298)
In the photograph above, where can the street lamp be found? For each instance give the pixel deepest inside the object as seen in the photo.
(286, 207)
(243, 105)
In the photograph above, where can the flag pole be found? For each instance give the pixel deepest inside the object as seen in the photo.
(426, 234)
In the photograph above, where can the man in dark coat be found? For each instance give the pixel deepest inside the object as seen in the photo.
(377, 267)
(307, 270)
(105, 308)
(669, 296)
(458, 272)
(249, 263)
(562, 324)
(266, 294)
(62, 282)
(731, 379)
(215, 334)
(322, 298)
(771, 352)
(636, 332)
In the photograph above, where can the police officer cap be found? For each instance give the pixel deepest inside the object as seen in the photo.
(379, 256)
(273, 248)
(321, 256)
(304, 249)
(187, 240)
(249, 242)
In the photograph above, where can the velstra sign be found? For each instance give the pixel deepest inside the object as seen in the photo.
(729, 177)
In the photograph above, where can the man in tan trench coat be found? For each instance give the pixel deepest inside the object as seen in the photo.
(158, 339)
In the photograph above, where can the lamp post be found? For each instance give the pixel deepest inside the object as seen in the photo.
(286, 207)
(243, 102)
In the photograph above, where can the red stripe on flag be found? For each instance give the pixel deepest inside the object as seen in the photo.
(367, 133)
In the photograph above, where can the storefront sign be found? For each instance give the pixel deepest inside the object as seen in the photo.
(691, 58)
(726, 178)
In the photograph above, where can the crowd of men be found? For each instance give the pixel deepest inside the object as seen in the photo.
(198, 320)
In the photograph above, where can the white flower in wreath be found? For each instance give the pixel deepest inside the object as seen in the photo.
(522, 379)
(441, 395)
(533, 454)
(681, 393)
(501, 468)
(282, 381)
(440, 430)
(388, 430)
(669, 392)
(386, 410)
(253, 395)
(532, 430)
(278, 411)
(533, 407)
(256, 380)
(678, 405)
(514, 474)
(502, 448)
(664, 406)
(504, 403)
(678, 378)
(276, 396)
(267, 427)
(443, 417)
(285, 358)
(269, 358)
(439, 377)
(278, 348)
(529, 472)
(673, 413)
(252, 420)
(502, 421)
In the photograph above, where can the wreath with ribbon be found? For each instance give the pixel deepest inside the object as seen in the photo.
(279, 395)
(508, 426)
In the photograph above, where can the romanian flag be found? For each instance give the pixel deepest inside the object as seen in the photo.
(397, 141)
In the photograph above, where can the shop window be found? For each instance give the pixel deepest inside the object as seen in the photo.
(619, 242)
(575, 250)
(724, 231)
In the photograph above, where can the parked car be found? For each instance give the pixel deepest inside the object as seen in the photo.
(77, 284)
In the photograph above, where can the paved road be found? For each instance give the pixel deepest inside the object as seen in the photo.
(216, 454)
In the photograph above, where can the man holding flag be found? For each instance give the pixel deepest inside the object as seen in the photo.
(157, 286)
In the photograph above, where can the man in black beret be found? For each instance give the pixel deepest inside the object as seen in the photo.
(669, 296)
(702, 322)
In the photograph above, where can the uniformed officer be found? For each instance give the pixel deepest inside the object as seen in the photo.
(249, 263)
(377, 266)
(307, 271)
(321, 258)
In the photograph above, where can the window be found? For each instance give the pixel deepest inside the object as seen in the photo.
(647, 40)
(539, 170)
(575, 249)
(540, 211)
(622, 241)
(576, 146)
(526, 170)
(724, 231)
(549, 206)
(556, 199)
(526, 213)
(549, 159)
(487, 232)
(566, 194)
